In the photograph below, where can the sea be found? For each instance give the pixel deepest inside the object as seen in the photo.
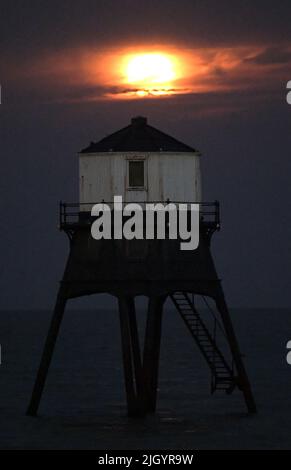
(84, 406)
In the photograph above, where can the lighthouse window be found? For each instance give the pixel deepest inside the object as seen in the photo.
(136, 174)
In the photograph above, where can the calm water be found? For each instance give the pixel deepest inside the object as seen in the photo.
(83, 406)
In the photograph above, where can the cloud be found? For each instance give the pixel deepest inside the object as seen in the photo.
(276, 55)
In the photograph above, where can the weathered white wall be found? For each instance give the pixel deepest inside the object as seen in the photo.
(174, 176)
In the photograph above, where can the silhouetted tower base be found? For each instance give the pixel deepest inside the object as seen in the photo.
(156, 269)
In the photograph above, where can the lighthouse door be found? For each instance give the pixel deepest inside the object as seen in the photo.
(136, 180)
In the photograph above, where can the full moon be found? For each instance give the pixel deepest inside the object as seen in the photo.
(150, 70)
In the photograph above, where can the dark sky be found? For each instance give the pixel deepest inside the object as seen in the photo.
(242, 127)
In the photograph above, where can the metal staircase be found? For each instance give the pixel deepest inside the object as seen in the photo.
(221, 371)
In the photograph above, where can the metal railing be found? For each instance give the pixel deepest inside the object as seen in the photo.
(79, 213)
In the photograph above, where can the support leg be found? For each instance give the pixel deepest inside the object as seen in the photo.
(152, 350)
(138, 372)
(131, 358)
(47, 353)
(244, 383)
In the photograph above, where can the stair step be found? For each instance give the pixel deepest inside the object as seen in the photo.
(226, 383)
(225, 376)
(220, 369)
(221, 384)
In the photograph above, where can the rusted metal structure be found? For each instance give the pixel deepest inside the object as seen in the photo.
(155, 268)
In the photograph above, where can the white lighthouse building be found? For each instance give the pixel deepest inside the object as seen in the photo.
(139, 163)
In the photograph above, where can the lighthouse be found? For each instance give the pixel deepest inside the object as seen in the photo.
(146, 169)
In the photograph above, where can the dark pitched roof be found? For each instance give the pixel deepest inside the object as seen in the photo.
(138, 136)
